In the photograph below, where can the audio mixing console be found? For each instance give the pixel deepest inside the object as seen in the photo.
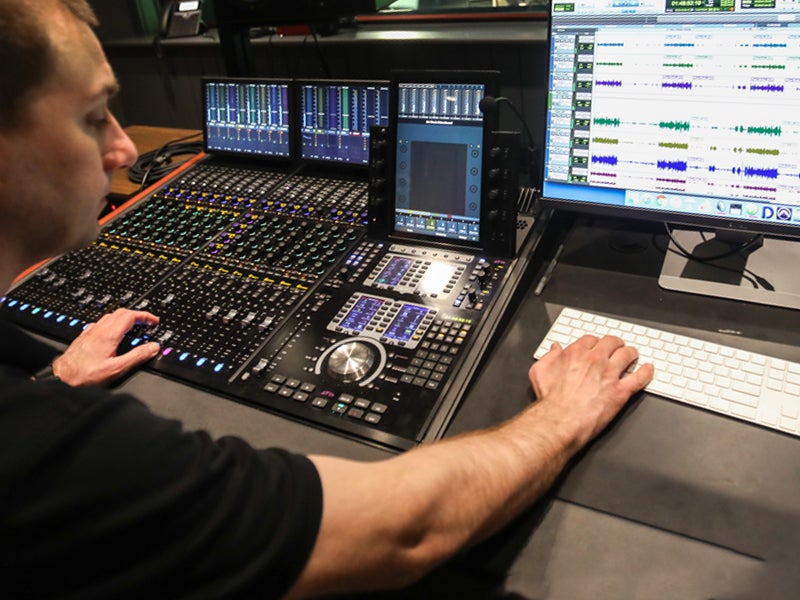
(318, 290)
(269, 292)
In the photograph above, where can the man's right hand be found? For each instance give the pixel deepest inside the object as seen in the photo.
(587, 382)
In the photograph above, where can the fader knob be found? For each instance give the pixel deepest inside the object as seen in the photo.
(350, 361)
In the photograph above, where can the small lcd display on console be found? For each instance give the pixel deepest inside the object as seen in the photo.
(406, 322)
(336, 117)
(361, 314)
(247, 117)
(390, 321)
(393, 273)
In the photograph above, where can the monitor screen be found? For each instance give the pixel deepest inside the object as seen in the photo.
(336, 117)
(247, 117)
(675, 110)
(439, 141)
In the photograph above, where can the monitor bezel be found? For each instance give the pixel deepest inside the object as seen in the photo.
(260, 158)
(491, 81)
(348, 167)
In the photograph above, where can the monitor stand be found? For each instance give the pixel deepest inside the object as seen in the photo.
(774, 264)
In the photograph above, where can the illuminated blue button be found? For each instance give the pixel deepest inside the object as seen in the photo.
(36, 310)
(201, 362)
(13, 303)
(183, 356)
(24, 307)
(219, 367)
(74, 322)
(48, 314)
(135, 341)
(60, 318)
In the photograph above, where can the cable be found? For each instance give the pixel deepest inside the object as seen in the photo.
(754, 279)
(153, 165)
(320, 55)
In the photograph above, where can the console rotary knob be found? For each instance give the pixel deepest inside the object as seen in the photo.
(350, 361)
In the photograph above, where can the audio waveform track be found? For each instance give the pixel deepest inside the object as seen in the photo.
(672, 165)
(605, 160)
(760, 130)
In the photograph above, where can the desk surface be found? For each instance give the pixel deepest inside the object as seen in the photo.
(146, 138)
(670, 502)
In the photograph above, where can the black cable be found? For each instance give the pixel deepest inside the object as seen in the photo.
(754, 279)
(320, 56)
(152, 166)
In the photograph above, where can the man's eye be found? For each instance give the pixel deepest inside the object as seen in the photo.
(98, 121)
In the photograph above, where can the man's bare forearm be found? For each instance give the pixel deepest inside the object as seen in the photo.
(385, 524)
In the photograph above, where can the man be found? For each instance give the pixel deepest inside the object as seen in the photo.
(100, 498)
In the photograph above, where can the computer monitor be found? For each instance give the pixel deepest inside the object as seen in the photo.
(683, 111)
(439, 134)
(247, 117)
(335, 119)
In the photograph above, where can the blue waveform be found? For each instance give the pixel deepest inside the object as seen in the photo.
(607, 44)
(610, 83)
(686, 85)
(675, 165)
(679, 45)
(757, 172)
(767, 88)
(772, 45)
(605, 160)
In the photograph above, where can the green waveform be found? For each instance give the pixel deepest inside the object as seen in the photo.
(602, 140)
(769, 151)
(676, 125)
(606, 121)
(678, 145)
(609, 63)
(778, 67)
(759, 129)
(679, 65)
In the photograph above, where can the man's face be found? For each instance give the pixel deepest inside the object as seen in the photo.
(55, 170)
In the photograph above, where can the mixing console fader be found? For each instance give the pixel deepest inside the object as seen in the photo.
(61, 298)
(212, 320)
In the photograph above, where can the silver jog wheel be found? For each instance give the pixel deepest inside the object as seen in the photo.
(350, 361)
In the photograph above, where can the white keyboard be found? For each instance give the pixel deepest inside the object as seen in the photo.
(744, 385)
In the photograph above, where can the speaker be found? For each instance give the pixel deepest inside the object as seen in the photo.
(380, 202)
(500, 193)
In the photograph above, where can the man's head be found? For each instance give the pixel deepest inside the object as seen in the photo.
(26, 53)
(59, 143)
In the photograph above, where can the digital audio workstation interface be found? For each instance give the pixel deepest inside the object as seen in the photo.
(684, 106)
(268, 288)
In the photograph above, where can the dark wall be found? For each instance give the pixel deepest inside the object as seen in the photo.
(160, 79)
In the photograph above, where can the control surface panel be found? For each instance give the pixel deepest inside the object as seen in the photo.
(276, 297)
